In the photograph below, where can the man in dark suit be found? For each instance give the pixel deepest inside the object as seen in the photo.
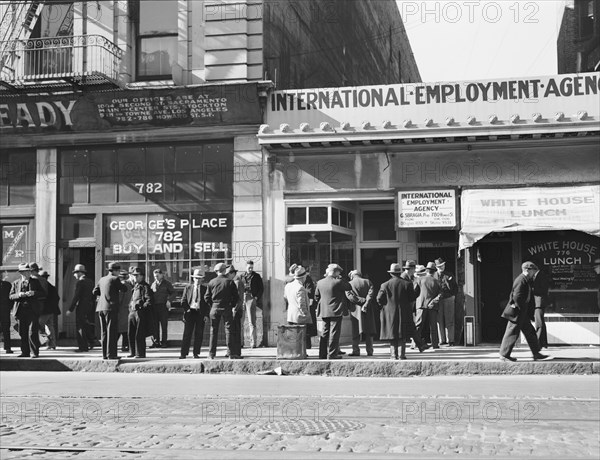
(107, 290)
(24, 292)
(427, 303)
(238, 312)
(521, 299)
(331, 294)
(140, 324)
(5, 308)
(540, 287)
(50, 310)
(82, 303)
(222, 296)
(195, 311)
(362, 315)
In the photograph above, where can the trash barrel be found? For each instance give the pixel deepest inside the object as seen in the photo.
(291, 342)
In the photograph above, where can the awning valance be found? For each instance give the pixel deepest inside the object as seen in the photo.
(528, 209)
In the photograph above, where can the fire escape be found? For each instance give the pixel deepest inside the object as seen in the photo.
(61, 62)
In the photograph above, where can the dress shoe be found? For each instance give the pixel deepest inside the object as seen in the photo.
(196, 356)
(354, 354)
(22, 355)
(541, 357)
(335, 357)
(131, 356)
(8, 352)
(340, 352)
(183, 357)
(424, 347)
(402, 357)
(507, 359)
(451, 344)
(113, 357)
(436, 347)
(394, 357)
(443, 343)
(34, 356)
(369, 354)
(141, 356)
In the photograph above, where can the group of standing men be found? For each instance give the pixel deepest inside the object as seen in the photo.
(414, 289)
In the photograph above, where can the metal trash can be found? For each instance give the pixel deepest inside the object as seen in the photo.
(291, 342)
(469, 331)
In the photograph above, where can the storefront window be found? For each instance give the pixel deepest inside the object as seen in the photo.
(138, 174)
(296, 216)
(17, 178)
(379, 225)
(317, 215)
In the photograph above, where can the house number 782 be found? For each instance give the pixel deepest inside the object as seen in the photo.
(149, 187)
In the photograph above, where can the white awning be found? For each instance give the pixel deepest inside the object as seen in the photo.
(528, 209)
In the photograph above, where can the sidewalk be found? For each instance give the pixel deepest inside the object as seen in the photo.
(459, 360)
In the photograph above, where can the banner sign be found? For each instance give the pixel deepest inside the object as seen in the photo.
(528, 209)
(568, 257)
(427, 209)
(568, 93)
(14, 244)
(130, 109)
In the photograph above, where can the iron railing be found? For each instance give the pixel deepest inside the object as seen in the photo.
(81, 58)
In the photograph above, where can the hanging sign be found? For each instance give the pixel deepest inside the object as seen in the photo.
(427, 209)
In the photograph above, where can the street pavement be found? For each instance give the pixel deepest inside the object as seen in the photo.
(117, 415)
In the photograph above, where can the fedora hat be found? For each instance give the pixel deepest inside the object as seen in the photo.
(137, 271)
(79, 268)
(34, 266)
(220, 267)
(114, 266)
(439, 262)
(334, 267)
(410, 264)
(420, 270)
(292, 269)
(395, 268)
(230, 269)
(300, 272)
(44, 274)
(355, 272)
(431, 266)
(24, 267)
(198, 273)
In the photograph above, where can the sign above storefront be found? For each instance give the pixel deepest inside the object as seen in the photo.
(528, 209)
(427, 209)
(429, 105)
(132, 109)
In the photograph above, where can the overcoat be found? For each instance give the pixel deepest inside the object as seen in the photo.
(396, 297)
(363, 288)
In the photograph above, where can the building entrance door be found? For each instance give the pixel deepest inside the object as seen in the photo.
(71, 257)
(495, 274)
(375, 264)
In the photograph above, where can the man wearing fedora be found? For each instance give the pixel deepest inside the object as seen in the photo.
(195, 311)
(297, 300)
(25, 293)
(397, 325)
(427, 303)
(140, 324)
(107, 290)
(83, 304)
(237, 313)
(6, 306)
(446, 306)
(50, 310)
(162, 295)
(222, 296)
(362, 314)
(331, 295)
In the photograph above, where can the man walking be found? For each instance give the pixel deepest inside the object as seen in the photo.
(222, 296)
(445, 321)
(362, 315)
(521, 300)
(139, 307)
(5, 308)
(427, 303)
(163, 294)
(24, 292)
(107, 290)
(252, 298)
(50, 310)
(195, 311)
(83, 302)
(331, 294)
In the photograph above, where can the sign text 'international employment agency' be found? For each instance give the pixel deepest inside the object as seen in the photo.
(427, 208)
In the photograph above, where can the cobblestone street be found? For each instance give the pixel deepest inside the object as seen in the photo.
(266, 423)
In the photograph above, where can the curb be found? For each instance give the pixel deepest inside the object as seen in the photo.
(374, 368)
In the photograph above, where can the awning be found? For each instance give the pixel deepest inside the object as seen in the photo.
(528, 209)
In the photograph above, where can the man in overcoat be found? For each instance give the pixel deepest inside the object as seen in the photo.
(397, 325)
(140, 324)
(427, 303)
(82, 303)
(25, 293)
(107, 290)
(540, 287)
(6, 306)
(362, 314)
(521, 299)
(222, 296)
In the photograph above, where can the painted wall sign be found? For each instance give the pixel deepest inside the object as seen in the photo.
(427, 209)
(569, 93)
(14, 244)
(566, 256)
(528, 209)
(130, 109)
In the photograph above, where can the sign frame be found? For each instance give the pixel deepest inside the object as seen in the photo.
(455, 192)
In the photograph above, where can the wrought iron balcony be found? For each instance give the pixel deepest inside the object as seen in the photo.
(82, 59)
